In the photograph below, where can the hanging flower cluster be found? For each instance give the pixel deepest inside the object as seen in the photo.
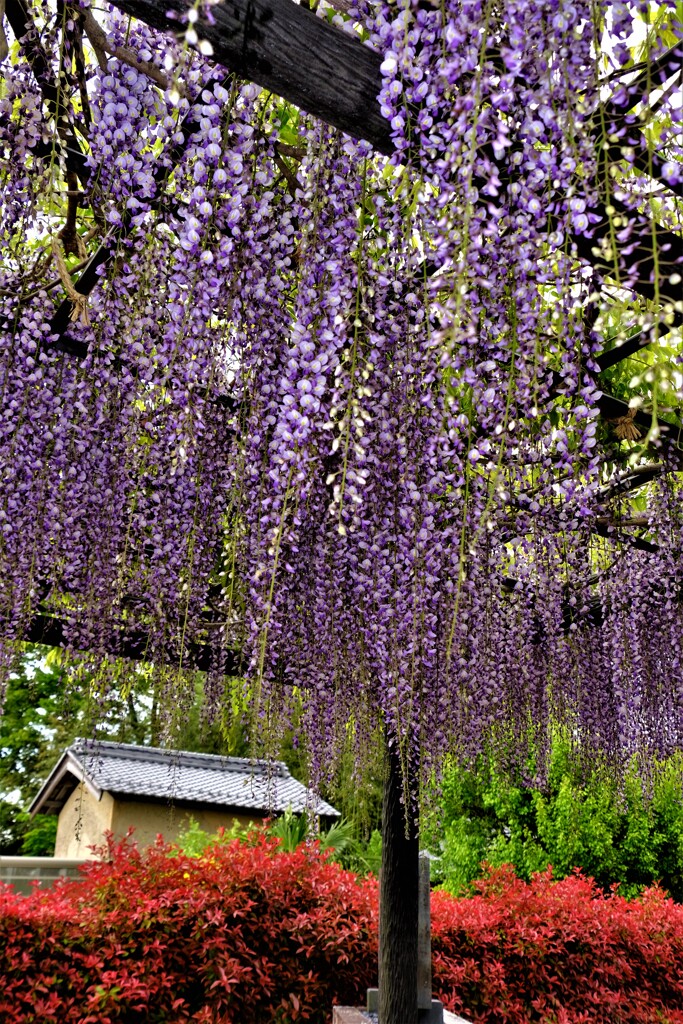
(335, 416)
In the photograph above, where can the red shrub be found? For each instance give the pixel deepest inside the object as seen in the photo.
(559, 952)
(245, 935)
(240, 935)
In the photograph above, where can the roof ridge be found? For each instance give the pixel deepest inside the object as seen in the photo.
(184, 758)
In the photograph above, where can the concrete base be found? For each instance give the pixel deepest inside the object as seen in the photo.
(356, 1015)
(428, 1015)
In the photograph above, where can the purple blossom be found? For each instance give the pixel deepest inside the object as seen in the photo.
(348, 424)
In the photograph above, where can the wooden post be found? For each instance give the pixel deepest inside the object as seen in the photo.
(424, 936)
(398, 904)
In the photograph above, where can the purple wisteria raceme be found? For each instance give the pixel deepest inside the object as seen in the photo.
(337, 417)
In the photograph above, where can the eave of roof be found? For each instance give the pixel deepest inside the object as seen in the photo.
(60, 783)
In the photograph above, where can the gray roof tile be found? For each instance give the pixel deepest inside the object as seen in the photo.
(127, 770)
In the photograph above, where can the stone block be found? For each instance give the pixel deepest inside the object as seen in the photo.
(349, 1015)
(432, 1014)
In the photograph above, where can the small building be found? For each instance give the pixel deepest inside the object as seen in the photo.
(99, 786)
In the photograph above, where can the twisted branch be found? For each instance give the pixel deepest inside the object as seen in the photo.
(102, 45)
(79, 301)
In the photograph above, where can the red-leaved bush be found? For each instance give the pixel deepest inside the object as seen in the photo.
(250, 935)
(558, 953)
(244, 934)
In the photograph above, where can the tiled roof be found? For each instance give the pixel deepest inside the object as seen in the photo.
(124, 769)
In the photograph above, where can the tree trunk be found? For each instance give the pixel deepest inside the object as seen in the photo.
(398, 904)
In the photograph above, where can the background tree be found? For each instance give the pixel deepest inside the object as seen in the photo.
(615, 832)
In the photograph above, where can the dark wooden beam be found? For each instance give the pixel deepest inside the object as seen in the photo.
(617, 112)
(627, 348)
(613, 408)
(51, 631)
(649, 75)
(285, 48)
(638, 542)
(653, 165)
(649, 273)
(630, 480)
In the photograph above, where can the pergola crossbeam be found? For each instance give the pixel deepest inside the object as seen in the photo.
(135, 645)
(286, 49)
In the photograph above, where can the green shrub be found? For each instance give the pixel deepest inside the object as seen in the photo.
(20, 834)
(339, 841)
(614, 834)
(194, 841)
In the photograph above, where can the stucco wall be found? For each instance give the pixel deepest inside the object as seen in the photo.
(149, 819)
(82, 821)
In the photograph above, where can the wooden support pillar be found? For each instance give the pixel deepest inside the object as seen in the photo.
(424, 936)
(398, 904)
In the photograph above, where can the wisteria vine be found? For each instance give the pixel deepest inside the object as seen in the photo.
(339, 417)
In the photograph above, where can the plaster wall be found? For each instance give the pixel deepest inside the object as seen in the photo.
(149, 819)
(82, 821)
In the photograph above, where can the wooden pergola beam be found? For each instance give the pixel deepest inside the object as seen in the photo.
(649, 74)
(285, 48)
(134, 645)
(630, 346)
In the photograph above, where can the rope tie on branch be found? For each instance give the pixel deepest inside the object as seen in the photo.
(77, 299)
(624, 427)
